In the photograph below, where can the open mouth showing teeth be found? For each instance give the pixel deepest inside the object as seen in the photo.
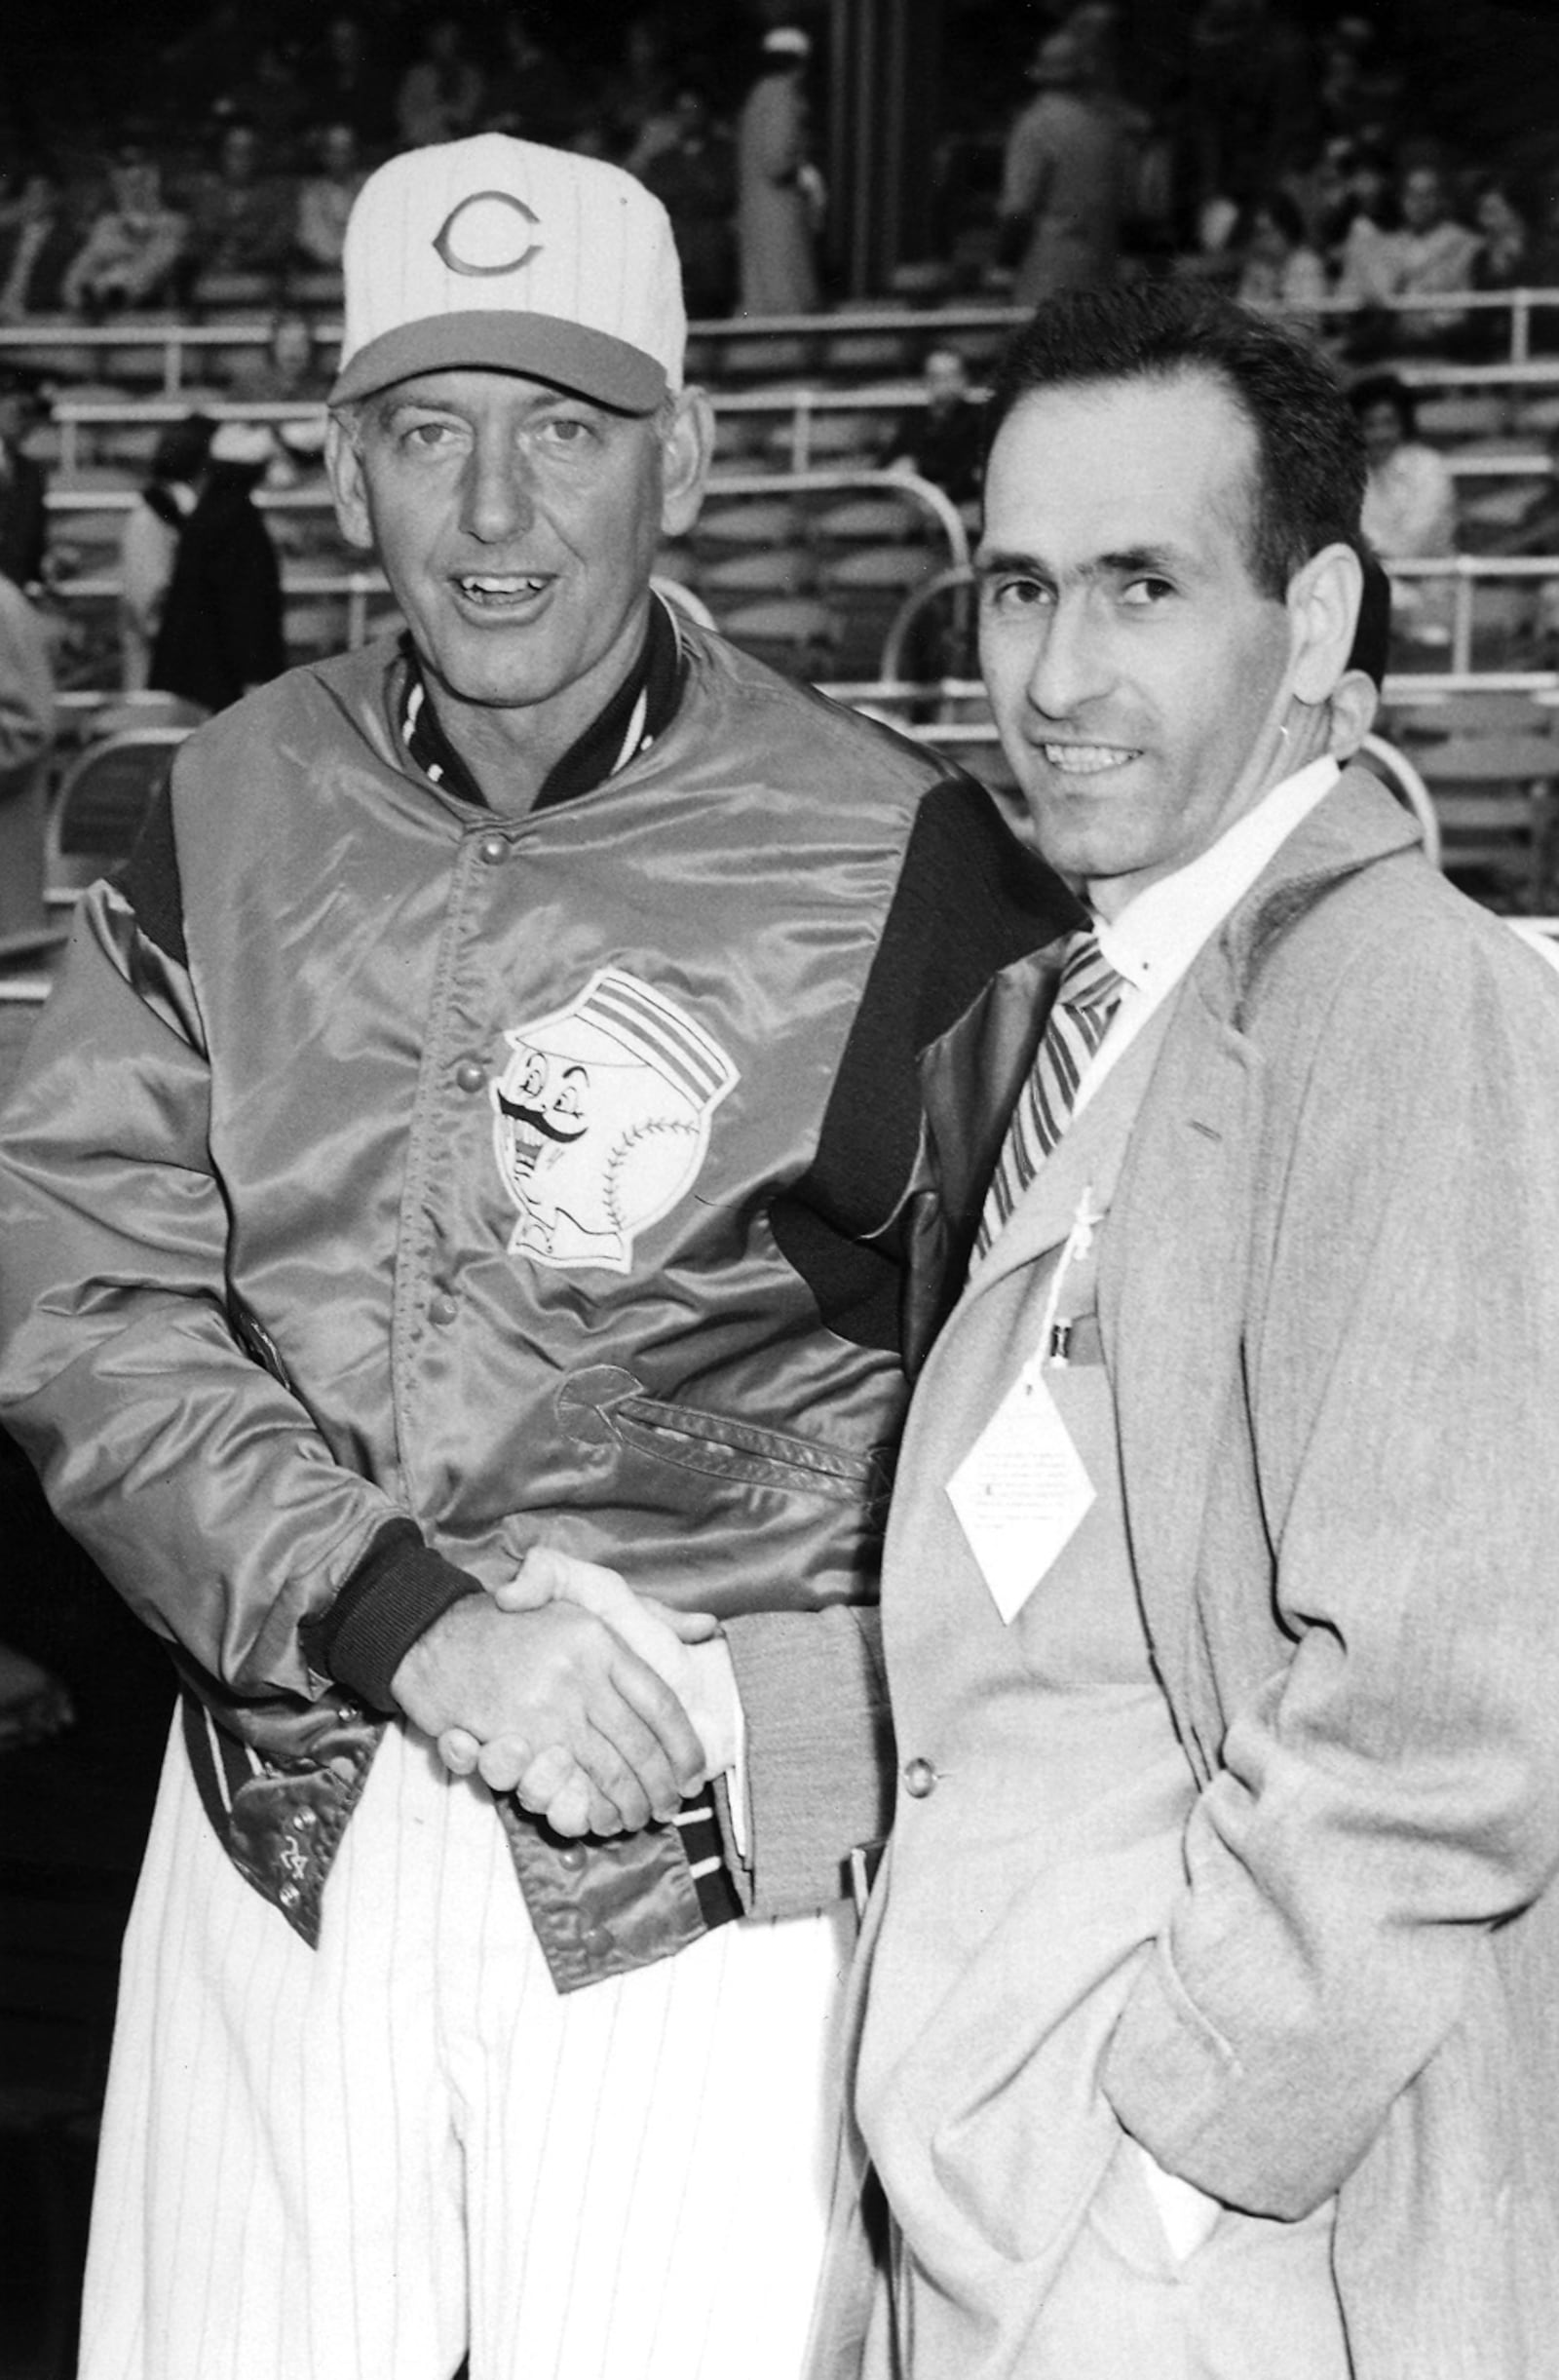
(1086, 759)
(501, 590)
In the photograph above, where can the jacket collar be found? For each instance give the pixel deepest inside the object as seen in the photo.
(641, 710)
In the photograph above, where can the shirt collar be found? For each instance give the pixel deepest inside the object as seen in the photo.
(642, 707)
(1157, 936)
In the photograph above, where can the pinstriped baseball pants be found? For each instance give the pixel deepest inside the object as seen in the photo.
(354, 2163)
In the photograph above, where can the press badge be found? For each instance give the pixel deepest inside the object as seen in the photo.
(1020, 1492)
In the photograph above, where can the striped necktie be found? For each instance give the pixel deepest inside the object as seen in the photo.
(1085, 1000)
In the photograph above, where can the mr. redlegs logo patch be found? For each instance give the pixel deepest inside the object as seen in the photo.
(601, 1120)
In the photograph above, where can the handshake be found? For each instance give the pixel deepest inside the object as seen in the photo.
(596, 1708)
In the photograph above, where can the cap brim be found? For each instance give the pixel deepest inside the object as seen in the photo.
(541, 346)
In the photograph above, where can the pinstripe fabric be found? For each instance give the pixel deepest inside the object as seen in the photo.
(1086, 998)
(347, 2164)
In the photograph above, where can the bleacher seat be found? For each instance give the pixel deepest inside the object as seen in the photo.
(1494, 797)
(102, 804)
(755, 570)
(794, 634)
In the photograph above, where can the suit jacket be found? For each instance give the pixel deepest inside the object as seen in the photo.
(1329, 1302)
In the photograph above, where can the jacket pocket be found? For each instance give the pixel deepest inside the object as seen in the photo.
(605, 1406)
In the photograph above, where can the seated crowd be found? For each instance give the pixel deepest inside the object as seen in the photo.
(1348, 217)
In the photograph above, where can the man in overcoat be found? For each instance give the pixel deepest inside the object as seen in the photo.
(1208, 2014)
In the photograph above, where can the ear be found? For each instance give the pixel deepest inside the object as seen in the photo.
(1351, 714)
(687, 451)
(343, 461)
(1323, 600)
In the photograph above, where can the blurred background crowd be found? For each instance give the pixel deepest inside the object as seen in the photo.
(158, 156)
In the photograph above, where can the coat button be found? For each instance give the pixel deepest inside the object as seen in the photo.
(572, 1856)
(471, 1074)
(597, 1940)
(442, 1309)
(919, 1778)
(493, 850)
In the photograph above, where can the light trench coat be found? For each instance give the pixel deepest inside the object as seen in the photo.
(1328, 1299)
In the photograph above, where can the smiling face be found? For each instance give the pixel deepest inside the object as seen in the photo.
(517, 525)
(1137, 673)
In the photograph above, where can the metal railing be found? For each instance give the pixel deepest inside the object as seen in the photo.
(175, 341)
(362, 586)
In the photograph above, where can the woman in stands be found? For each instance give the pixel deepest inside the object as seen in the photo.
(148, 543)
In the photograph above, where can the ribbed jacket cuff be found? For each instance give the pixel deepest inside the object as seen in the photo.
(392, 1598)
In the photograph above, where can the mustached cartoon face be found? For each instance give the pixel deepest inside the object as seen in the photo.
(552, 1104)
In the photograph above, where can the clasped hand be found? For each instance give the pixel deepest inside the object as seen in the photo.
(596, 1708)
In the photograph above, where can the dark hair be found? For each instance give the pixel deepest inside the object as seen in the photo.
(1372, 633)
(1284, 212)
(181, 452)
(1385, 388)
(1310, 466)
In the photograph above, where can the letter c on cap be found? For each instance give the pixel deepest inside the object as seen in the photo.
(490, 232)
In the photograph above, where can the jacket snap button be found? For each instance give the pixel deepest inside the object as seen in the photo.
(493, 850)
(919, 1778)
(471, 1074)
(572, 1855)
(442, 1308)
(598, 1941)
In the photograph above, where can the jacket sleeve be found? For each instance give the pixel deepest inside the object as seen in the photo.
(1388, 1797)
(196, 1479)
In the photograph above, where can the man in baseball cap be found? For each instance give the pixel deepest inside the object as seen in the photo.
(510, 431)
(459, 1210)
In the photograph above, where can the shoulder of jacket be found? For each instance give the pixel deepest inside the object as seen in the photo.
(788, 722)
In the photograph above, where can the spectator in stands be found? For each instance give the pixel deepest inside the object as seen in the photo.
(221, 624)
(241, 215)
(530, 94)
(1063, 175)
(1409, 501)
(695, 179)
(148, 543)
(26, 738)
(286, 370)
(779, 202)
(1281, 273)
(23, 518)
(37, 241)
(326, 197)
(1502, 261)
(1431, 255)
(1363, 215)
(134, 247)
(349, 83)
(943, 440)
(442, 92)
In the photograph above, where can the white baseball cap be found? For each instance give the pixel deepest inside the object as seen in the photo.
(502, 255)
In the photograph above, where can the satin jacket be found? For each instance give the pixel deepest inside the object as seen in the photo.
(388, 1170)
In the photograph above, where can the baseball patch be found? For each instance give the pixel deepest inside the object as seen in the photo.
(601, 1120)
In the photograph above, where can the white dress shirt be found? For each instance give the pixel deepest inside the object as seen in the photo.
(1157, 936)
